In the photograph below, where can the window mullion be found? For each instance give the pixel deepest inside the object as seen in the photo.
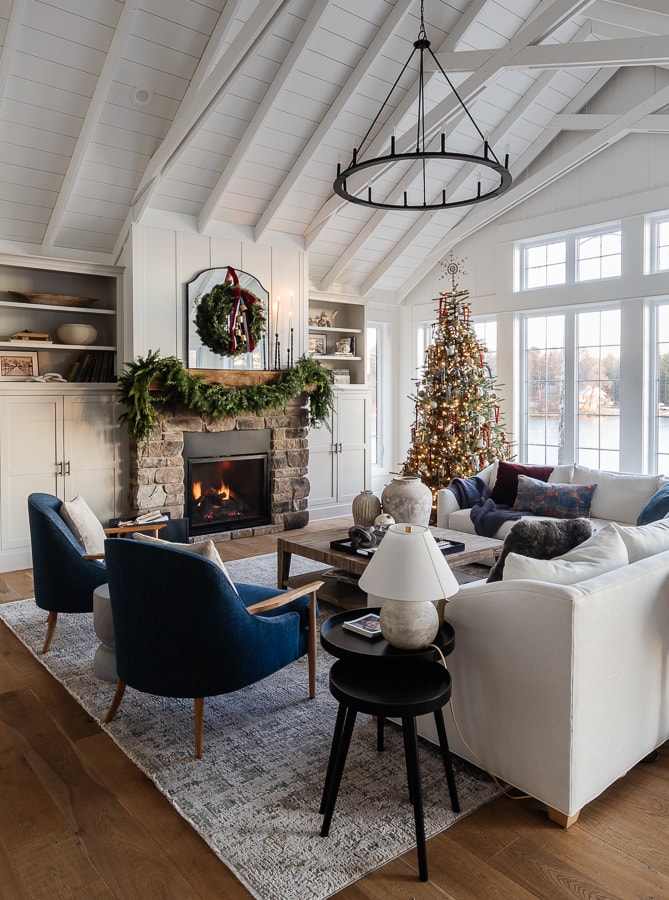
(567, 455)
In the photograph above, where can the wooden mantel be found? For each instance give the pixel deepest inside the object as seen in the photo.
(231, 377)
(237, 377)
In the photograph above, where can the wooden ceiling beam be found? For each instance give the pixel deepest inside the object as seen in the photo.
(395, 16)
(551, 172)
(90, 123)
(246, 142)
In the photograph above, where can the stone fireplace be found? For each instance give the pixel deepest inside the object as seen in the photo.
(159, 469)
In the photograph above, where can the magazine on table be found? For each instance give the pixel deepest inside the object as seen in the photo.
(368, 625)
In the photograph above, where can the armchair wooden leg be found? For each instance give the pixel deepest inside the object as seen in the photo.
(312, 646)
(116, 701)
(50, 628)
(199, 719)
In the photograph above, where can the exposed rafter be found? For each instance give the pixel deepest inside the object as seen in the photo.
(278, 83)
(393, 19)
(567, 162)
(240, 109)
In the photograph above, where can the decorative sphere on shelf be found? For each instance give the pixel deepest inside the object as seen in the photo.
(72, 333)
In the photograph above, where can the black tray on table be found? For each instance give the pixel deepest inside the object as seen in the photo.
(345, 545)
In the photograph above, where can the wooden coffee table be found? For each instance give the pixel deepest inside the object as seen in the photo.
(349, 596)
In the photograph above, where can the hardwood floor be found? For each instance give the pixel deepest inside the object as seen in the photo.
(81, 821)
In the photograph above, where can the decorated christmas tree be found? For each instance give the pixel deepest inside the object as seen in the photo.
(457, 429)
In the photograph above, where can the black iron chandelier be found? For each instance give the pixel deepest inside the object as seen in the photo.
(356, 187)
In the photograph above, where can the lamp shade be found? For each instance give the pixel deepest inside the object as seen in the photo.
(409, 565)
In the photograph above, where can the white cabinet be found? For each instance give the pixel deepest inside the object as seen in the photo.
(337, 337)
(339, 463)
(57, 440)
(36, 299)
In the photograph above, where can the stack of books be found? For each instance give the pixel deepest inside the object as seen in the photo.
(95, 366)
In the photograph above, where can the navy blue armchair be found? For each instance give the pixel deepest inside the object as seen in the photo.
(64, 576)
(182, 629)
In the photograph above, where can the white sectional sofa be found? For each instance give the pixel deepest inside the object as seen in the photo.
(560, 688)
(618, 497)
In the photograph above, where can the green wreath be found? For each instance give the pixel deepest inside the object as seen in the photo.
(214, 324)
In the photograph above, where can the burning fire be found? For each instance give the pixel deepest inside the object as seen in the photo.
(222, 492)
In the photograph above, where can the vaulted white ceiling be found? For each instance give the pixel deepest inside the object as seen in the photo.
(237, 112)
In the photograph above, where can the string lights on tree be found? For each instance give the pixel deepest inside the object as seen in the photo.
(457, 429)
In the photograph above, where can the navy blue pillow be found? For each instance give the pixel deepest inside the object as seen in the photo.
(656, 508)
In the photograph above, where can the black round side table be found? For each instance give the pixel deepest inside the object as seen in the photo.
(356, 648)
(371, 676)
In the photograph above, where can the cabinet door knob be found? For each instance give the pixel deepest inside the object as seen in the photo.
(67, 467)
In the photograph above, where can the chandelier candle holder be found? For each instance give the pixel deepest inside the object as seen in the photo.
(433, 161)
(407, 576)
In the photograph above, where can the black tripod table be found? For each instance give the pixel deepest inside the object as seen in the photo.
(384, 691)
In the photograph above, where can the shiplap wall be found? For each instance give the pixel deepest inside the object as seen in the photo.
(164, 260)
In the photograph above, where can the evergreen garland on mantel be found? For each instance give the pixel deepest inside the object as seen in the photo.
(177, 384)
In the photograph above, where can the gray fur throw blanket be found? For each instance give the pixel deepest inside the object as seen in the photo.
(541, 539)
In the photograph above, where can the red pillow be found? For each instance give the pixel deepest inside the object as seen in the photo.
(506, 487)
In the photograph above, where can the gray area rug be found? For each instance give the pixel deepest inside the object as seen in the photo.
(254, 795)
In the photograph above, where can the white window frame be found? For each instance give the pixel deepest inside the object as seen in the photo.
(652, 249)
(653, 417)
(569, 452)
(571, 240)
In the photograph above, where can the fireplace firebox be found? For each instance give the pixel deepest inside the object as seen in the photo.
(227, 480)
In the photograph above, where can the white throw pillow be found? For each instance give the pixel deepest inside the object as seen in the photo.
(619, 497)
(200, 548)
(602, 552)
(644, 540)
(84, 524)
(561, 474)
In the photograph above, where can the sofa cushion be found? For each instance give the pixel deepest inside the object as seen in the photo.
(644, 540)
(656, 508)
(506, 484)
(541, 539)
(602, 552)
(561, 501)
(84, 524)
(562, 474)
(620, 496)
(201, 548)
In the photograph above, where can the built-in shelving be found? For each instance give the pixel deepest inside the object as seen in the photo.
(345, 323)
(67, 279)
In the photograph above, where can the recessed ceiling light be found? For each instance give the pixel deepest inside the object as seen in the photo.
(140, 97)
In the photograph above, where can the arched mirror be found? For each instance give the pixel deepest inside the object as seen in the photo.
(200, 354)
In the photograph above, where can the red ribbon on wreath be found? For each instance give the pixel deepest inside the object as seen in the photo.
(239, 317)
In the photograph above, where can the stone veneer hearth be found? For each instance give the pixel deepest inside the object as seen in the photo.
(157, 465)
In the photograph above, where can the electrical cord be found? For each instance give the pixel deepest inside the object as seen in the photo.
(497, 782)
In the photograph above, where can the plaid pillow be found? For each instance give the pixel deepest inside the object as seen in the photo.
(561, 501)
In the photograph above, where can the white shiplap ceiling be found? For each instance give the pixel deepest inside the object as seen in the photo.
(237, 111)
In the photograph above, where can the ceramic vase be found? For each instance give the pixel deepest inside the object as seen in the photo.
(407, 499)
(365, 508)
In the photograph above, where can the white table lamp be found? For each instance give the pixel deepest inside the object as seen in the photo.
(409, 572)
